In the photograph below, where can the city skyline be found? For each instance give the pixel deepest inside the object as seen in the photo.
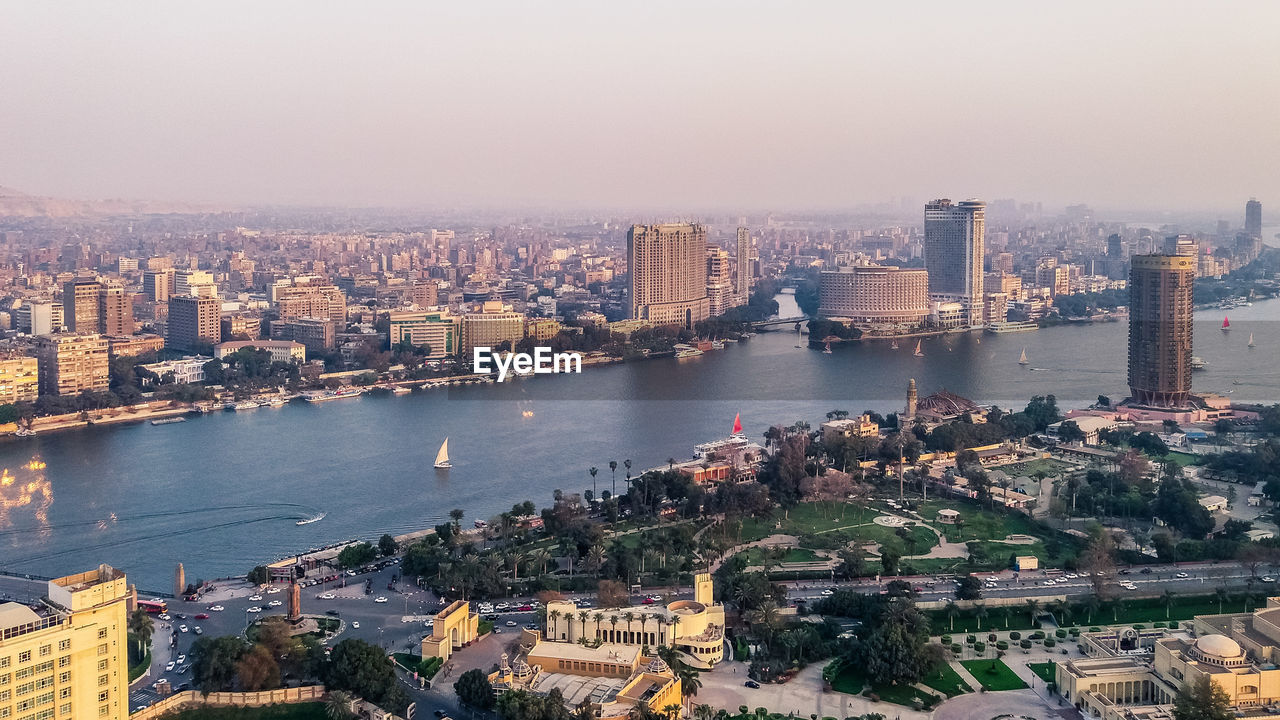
(837, 107)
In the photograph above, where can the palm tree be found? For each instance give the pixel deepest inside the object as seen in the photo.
(952, 610)
(555, 617)
(598, 617)
(541, 557)
(337, 706)
(690, 683)
(672, 711)
(613, 621)
(1221, 595)
(613, 470)
(671, 463)
(593, 470)
(1091, 604)
(583, 615)
(597, 556)
(1118, 607)
(1167, 598)
(629, 617)
(1062, 612)
(1033, 608)
(643, 619)
(1006, 612)
(980, 612)
(141, 626)
(703, 711)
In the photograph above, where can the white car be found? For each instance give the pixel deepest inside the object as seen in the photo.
(273, 590)
(511, 623)
(380, 599)
(355, 624)
(255, 598)
(1268, 579)
(828, 591)
(182, 628)
(327, 596)
(165, 617)
(1071, 576)
(217, 608)
(169, 667)
(254, 609)
(182, 659)
(1182, 575)
(274, 603)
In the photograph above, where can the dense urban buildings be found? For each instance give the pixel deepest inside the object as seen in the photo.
(954, 244)
(71, 363)
(66, 655)
(668, 284)
(1160, 335)
(193, 321)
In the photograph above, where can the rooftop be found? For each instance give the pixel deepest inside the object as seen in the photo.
(606, 653)
(579, 688)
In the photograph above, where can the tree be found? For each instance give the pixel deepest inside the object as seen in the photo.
(213, 662)
(968, 587)
(142, 628)
(1104, 401)
(258, 576)
(1069, 431)
(456, 516)
(258, 670)
(365, 670)
(387, 545)
(897, 650)
(337, 706)
(474, 690)
(353, 556)
(889, 558)
(1202, 699)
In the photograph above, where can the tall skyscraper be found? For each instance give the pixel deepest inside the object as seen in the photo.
(721, 292)
(94, 306)
(1160, 288)
(743, 251)
(954, 241)
(668, 268)
(193, 320)
(80, 305)
(1253, 218)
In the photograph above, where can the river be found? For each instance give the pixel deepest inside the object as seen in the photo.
(222, 492)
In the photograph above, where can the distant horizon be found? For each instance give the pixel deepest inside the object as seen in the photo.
(707, 106)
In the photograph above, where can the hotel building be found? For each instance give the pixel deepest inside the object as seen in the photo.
(1160, 314)
(438, 330)
(193, 320)
(492, 326)
(668, 274)
(875, 295)
(66, 658)
(954, 242)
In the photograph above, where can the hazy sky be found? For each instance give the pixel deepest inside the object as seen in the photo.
(680, 105)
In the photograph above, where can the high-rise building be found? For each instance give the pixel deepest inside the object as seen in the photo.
(1160, 288)
(721, 293)
(1253, 218)
(115, 310)
(40, 317)
(19, 379)
(954, 242)
(80, 304)
(436, 330)
(316, 334)
(668, 283)
(71, 363)
(491, 327)
(745, 271)
(309, 297)
(158, 285)
(197, 283)
(193, 320)
(67, 656)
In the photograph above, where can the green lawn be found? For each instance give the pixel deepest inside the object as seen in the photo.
(849, 681)
(1048, 466)
(905, 695)
(948, 682)
(295, 711)
(1183, 459)
(756, 556)
(993, 674)
(1045, 671)
(805, 519)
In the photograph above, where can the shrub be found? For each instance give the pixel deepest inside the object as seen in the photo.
(1095, 629)
(1025, 644)
(980, 647)
(946, 639)
(991, 637)
(1060, 633)
(1157, 624)
(956, 648)
(1002, 645)
(1139, 627)
(1037, 635)
(970, 639)
(1050, 642)
(1075, 632)
(1015, 635)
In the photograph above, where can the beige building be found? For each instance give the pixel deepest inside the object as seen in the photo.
(19, 379)
(193, 320)
(281, 350)
(875, 295)
(194, 283)
(438, 330)
(721, 293)
(159, 285)
(70, 363)
(134, 345)
(613, 680)
(1138, 673)
(67, 657)
(453, 627)
(862, 426)
(542, 329)
(490, 327)
(694, 628)
(310, 297)
(246, 326)
(668, 274)
(95, 306)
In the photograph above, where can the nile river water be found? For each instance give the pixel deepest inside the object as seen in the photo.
(222, 492)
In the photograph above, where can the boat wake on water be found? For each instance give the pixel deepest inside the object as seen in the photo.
(113, 519)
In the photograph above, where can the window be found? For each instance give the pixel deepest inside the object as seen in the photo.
(103, 710)
(64, 661)
(102, 633)
(4, 712)
(46, 650)
(44, 667)
(103, 649)
(24, 705)
(4, 679)
(4, 661)
(102, 696)
(64, 693)
(44, 682)
(44, 699)
(26, 689)
(64, 677)
(64, 709)
(5, 696)
(103, 680)
(24, 656)
(64, 645)
(102, 665)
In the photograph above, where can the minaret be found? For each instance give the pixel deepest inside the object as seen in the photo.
(911, 400)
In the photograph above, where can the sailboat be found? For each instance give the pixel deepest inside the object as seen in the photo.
(737, 423)
(1226, 325)
(1251, 340)
(893, 345)
(919, 352)
(442, 457)
(1022, 359)
(827, 349)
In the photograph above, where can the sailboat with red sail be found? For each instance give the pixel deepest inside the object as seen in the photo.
(1226, 325)
(737, 424)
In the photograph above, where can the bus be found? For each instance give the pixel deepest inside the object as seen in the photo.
(155, 607)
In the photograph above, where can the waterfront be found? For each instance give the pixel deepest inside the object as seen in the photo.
(223, 491)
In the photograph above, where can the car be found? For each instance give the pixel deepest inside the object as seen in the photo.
(255, 598)
(380, 599)
(648, 601)
(254, 609)
(202, 616)
(525, 608)
(752, 684)
(1146, 571)
(511, 623)
(1124, 572)
(1268, 579)
(1047, 582)
(355, 624)
(182, 628)
(1182, 575)
(1071, 576)
(182, 659)
(532, 627)
(217, 608)
(273, 590)
(502, 606)
(274, 603)
(827, 591)
(352, 573)
(497, 630)
(165, 617)
(197, 630)
(169, 667)
(327, 596)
